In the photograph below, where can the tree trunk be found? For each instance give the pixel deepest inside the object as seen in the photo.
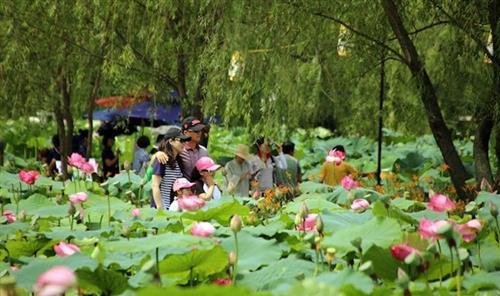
(93, 94)
(439, 129)
(60, 132)
(67, 143)
(497, 152)
(481, 147)
(494, 22)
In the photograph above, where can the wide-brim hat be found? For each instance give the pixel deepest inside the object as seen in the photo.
(242, 151)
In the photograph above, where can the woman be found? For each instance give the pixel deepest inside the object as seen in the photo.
(164, 175)
(110, 160)
(266, 165)
(238, 172)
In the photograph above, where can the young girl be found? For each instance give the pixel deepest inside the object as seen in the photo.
(185, 199)
(206, 186)
(335, 168)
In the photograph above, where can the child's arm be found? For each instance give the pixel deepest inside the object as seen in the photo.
(322, 173)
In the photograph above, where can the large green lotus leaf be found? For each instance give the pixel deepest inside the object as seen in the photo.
(28, 274)
(378, 231)
(176, 243)
(402, 203)
(25, 247)
(254, 252)
(284, 271)
(125, 261)
(48, 182)
(487, 197)
(348, 279)
(379, 210)
(102, 281)
(8, 229)
(62, 233)
(221, 213)
(211, 290)
(490, 255)
(384, 264)
(97, 205)
(314, 187)
(316, 201)
(308, 286)
(268, 230)
(42, 206)
(338, 220)
(428, 214)
(7, 180)
(201, 263)
(124, 179)
(482, 281)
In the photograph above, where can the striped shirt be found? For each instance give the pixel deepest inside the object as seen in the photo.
(168, 176)
(189, 158)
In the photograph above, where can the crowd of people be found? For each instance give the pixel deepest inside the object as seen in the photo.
(182, 174)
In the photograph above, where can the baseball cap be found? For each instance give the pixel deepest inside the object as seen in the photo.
(206, 164)
(192, 124)
(182, 183)
(175, 132)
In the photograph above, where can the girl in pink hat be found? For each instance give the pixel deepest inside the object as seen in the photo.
(206, 186)
(185, 199)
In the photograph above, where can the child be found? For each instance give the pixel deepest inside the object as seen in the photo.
(141, 156)
(185, 199)
(335, 168)
(206, 186)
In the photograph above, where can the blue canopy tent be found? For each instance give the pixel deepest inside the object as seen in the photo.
(147, 113)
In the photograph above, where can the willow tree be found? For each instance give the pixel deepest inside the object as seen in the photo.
(49, 61)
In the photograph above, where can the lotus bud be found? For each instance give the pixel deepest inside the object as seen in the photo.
(445, 230)
(330, 255)
(356, 242)
(125, 230)
(298, 219)
(304, 210)
(493, 210)
(232, 258)
(319, 224)
(126, 165)
(403, 279)
(235, 223)
(71, 209)
(317, 243)
(367, 267)
(22, 215)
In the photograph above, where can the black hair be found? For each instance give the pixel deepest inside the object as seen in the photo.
(159, 138)
(288, 147)
(55, 141)
(143, 142)
(339, 148)
(167, 148)
(105, 140)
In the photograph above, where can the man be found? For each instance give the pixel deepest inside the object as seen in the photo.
(192, 127)
(238, 172)
(293, 174)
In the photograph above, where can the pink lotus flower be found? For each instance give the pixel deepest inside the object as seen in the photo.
(204, 229)
(190, 202)
(469, 229)
(223, 282)
(63, 249)
(55, 281)
(89, 168)
(76, 160)
(135, 212)
(309, 224)
(360, 204)
(78, 197)
(401, 251)
(29, 177)
(10, 216)
(348, 183)
(440, 203)
(428, 229)
(335, 156)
